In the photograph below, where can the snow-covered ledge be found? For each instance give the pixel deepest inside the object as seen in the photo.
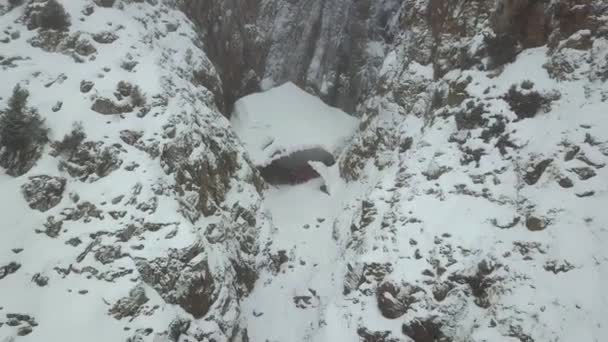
(284, 128)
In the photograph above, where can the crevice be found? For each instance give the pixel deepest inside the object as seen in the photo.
(294, 168)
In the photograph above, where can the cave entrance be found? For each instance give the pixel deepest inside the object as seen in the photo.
(294, 168)
(284, 128)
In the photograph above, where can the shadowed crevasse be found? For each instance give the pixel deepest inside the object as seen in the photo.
(294, 168)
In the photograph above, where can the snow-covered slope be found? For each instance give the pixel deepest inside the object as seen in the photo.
(138, 228)
(285, 119)
(467, 206)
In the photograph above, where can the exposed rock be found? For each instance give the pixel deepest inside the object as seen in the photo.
(471, 116)
(105, 37)
(535, 224)
(86, 86)
(108, 254)
(89, 159)
(375, 336)
(130, 137)
(183, 278)
(532, 176)
(43, 192)
(105, 3)
(426, 330)
(479, 283)
(52, 227)
(130, 306)
(584, 173)
(108, 107)
(558, 267)
(8, 269)
(571, 153)
(393, 300)
(566, 183)
(40, 280)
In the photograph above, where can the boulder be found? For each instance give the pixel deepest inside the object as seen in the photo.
(43, 192)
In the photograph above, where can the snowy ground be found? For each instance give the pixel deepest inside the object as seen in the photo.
(290, 306)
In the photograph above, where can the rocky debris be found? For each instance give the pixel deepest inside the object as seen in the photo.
(375, 336)
(130, 137)
(86, 86)
(78, 46)
(309, 300)
(210, 181)
(57, 106)
(394, 300)
(365, 276)
(441, 290)
(571, 153)
(536, 171)
(108, 254)
(502, 225)
(105, 37)
(84, 211)
(366, 146)
(535, 224)
(74, 242)
(26, 323)
(425, 330)
(91, 161)
(131, 305)
(40, 280)
(585, 194)
(435, 171)
(177, 328)
(52, 227)
(105, 3)
(9, 269)
(106, 106)
(183, 278)
(584, 173)
(558, 267)
(87, 250)
(43, 192)
(471, 116)
(278, 259)
(528, 248)
(478, 283)
(566, 183)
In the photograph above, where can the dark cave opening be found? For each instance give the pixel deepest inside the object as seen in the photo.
(294, 168)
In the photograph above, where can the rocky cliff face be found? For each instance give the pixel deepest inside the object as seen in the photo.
(144, 198)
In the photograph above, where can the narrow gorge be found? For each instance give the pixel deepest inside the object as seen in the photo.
(303, 170)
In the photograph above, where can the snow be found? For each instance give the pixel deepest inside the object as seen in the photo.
(303, 216)
(320, 232)
(285, 119)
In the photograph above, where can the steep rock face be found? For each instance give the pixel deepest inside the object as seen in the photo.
(147, 196)
(335, 49)
(465, 127)
(331, 48)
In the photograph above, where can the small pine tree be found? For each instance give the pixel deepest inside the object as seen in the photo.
(71, 141)
(54, 16)
(21, 128)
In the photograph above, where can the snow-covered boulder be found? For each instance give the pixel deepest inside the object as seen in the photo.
(286, 119)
